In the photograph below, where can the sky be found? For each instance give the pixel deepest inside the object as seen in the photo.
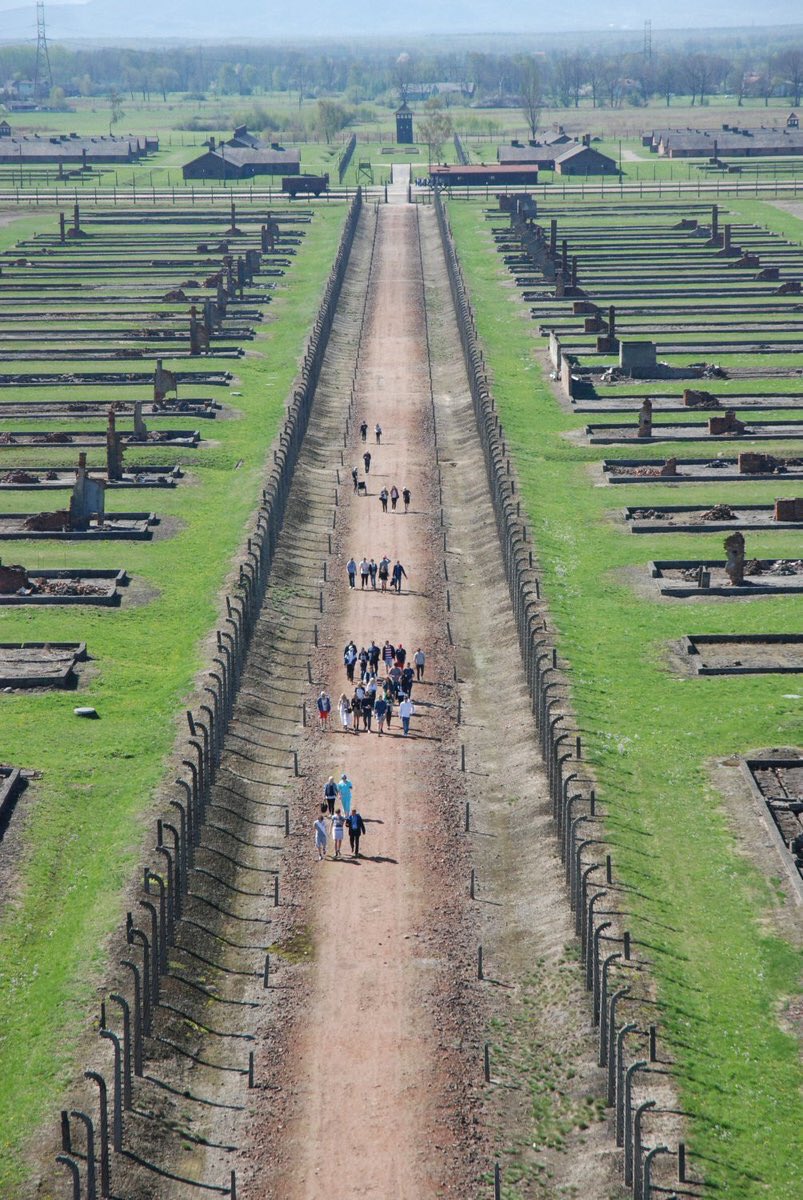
(262, 18)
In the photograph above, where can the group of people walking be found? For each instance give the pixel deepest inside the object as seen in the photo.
(338, 815)
(375, 699)
(364, 432)
(393, 496)
(380, 679)
(370, 571)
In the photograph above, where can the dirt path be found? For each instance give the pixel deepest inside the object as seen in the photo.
(373, 1086)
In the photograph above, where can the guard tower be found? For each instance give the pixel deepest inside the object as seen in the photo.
(404, 125)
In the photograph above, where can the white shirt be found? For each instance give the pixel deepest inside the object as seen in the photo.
(406, 708)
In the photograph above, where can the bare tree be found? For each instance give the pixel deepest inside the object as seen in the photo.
(595, 73)
(435, 127)
(531, 98)
(666, 78)
(790, 66)
(702, 72)
(403, 75)
(737, 79)
(611, 80)
(562, 80)
(766, 83)
(641, 70)
(577, 76)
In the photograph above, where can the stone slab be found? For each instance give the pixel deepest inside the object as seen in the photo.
(82, 410)
(147, 477)
(96, 439)
(670, 575)
(11, 784)
(776, 788)
(105, 585)
(689, 431)
(690, 470)
(134, 526)
(39, 664)
(745, 654)
(686, 518)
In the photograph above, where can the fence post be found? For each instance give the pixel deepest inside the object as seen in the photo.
(105, 1175)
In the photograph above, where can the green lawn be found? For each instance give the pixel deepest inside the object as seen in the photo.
(702, 914)
(85, 815)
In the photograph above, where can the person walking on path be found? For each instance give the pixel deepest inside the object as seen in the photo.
(366, 458)
(384, 572)
(349, 659)
(419, 658)
(324, 706)
(321, 837)
(381, 712)
(407, 681)
(330, 793)
(401, 655)
(398, 572)
(364, 573)
(373, 655)
(351, 568)
(406, 497)
(344, 706)
(338, 825)
(363, 430)
(367, 711)
(344, 789)
(383, 497)
(354, 477)
(362, 658)
(372, 569)
(394, 497)
(378, 433)
(406, 710)
(356, 830)
(356, 711)
(388, 655)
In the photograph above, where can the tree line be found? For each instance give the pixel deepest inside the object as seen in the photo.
(585, 71)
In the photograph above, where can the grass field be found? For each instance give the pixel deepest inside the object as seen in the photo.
(618, 132)
(83, 819)
(702, 912)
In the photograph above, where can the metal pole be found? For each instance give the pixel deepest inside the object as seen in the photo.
(91, 1184)
(72, 1167)
(105, 1175)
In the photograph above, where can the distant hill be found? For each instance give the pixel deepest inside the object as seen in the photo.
(237, 19)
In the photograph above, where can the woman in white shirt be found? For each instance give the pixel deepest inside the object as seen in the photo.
(338, 825)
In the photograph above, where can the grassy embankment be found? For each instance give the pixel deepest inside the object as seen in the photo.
(83, 819)
(702, 913)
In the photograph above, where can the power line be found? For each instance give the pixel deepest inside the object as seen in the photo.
(42, 75)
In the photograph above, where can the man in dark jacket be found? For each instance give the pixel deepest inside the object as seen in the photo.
(356, 828)
(396, 579)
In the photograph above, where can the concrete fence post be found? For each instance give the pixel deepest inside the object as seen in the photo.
(91, 1176)
(72, 1167)
(103, 1132)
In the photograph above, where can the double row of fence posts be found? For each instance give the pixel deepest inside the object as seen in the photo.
(611, 964)
(89, 1141)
